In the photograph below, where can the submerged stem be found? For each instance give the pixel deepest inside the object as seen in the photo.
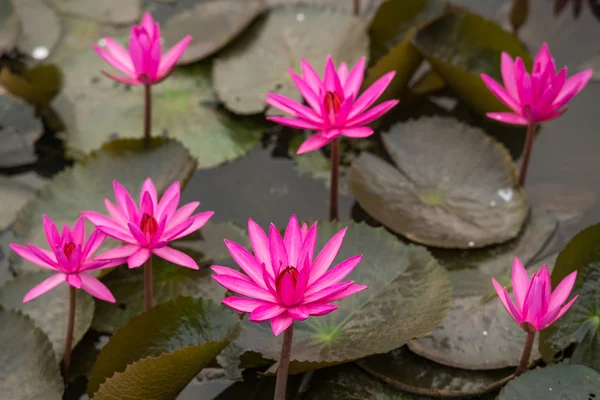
(356, 7)
(284, 363)
(526, 154)
(524, 362)
(148, 284)
(147, 114)
(333, 190)
(69, 335)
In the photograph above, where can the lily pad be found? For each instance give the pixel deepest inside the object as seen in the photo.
(159, 352)
(86, 185)
(581, 324)
(184, 107)
(169, 282)
(28, 367)
(407, 371)
(555, 382)
(38, 86)
(463, 194)
(108, 11)
(284, 36)
(10, 26)
(19, 130)
(212, 25)
(41, 28)
(408, 296)
(481, 332)
(460, 46)
(13, 196)
(50, 311)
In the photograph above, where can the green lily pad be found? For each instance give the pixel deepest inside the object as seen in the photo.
(10, 26)
(408, 296)
(460, 46)
(555, 382)
(169, 282)
(41, 28)
(482, 333)
(407, 371)
(28, 367)
(284, 36)
(159, 352)
(49, 312)
(184, 107)
(85, 186)
(19, 130)
(38, 86)
(108, 11)
(77, 35)
(13, 196)
(581, 324)
(463, 194)
(212, 25)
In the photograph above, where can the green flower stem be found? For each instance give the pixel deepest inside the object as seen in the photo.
(524, 362)
(147, 114)
(335, 173)
(148, 284)
(526, 154)
(284, 363)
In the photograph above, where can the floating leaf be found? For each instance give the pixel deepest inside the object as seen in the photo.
(86, 185)
(408, 296)
(13, 196)
(460, 46)
(212, 25)
(169, 281)
(19, 130)
(581, 324)
(482, 333)
(407, 371)
(78, 35)
(157, 353)
(10, 26)
(555, 382)
(41, 28)
(94, 109)
(37, 86)
(460, 195)
(50, 311)
(107, 11)
(28, 367)
(284, 36)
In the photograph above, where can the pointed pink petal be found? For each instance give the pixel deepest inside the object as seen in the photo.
(242, 304)
(342, 114)
(547, 319)
(168, 205)
(349, 291)
(114, 61)
(30, 256)
(182, 214)
(93, 243)
(301, 283)
(508, 118)
(115, 213)
(310, 76)
(334, 275)
(119, 252)
(304, 231)
(279, 256)
(46, 285)
(136, 52)
(230, 272)
(138, 258)
(299, 313)
(101, 264)
(125, 202)
(320, 309)
(572, 86)
(247, 262)
(517, 315)
(295, 122)
(52, 234)
(147, 206)
(532, 305)
(500, 292)
(352, 84)
(546, 288)
(148, 187)
(358, 132)
(117, 234)
(291, 107)
(314, 142)
(120, 54)
(552, 115)
(74, 280)
(96, 288)
(270, 282)
(292, 240)
(308, 244)
(562, 291)
(281, 323)
(266, 312)
(507, 66)
(137, 234)
(147, 23)
(100, 220)
(79, 231)
(122, 79)
(372, 114)
(260, 245)
(198, 221)
(331, 80)
(520, 281)
(329, 291)
(286, 290)
(342, 73)
(176, 257)
(502, 95)
(372, 94)
(173, 55)
(307, 92)
(244, 287)
(45, 257)
(564, 309)
(327, 255)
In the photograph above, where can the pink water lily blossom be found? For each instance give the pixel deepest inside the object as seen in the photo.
(144, 63)
(537, 97)
(282, 281)
(71, 258)
(537, 307)
(334, 107)
(149, 228)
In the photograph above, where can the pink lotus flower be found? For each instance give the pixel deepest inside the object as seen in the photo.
(281, 280)
(150, 228)
(71, 258)
(537, 306)
(335, 108)
(144, 64)
(539, 97)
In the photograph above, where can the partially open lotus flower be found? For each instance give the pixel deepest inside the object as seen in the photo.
(71, 258)
(144, 63)
(282, 281)
(537, 307)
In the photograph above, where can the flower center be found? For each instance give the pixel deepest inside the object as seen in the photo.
(333, 102)
(148, 226)
(288, 271)
(69, 248)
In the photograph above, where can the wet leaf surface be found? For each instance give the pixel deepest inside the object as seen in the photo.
(159, 352)
(107, 11)
(19, 130)
(38, 86)
(40, 29)
(284, 36)
(28, 367)
(10, 26)
(49, 312)
(463, 194)
(13, 196)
